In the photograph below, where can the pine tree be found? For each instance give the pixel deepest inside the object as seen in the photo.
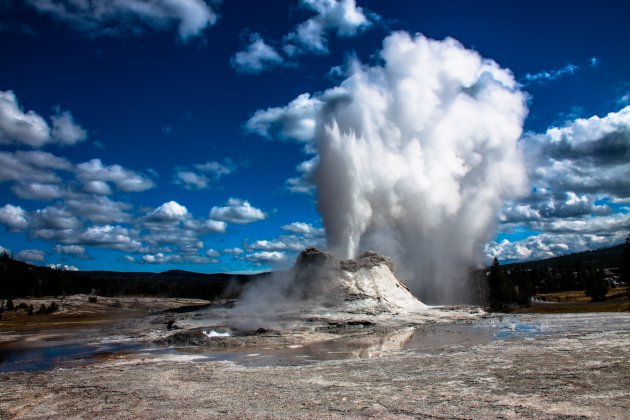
(625, 264)
(596, 286)
(501, 290)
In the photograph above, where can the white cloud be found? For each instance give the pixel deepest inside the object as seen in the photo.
(33, 255)
(279, 244)
(36, 191)
(14, 217)
(550, 75)
(265, 257)
(295, 121)
(341, 17)
(190, 180)
(170, 211)
(233, 251)
(56, 218)
(97, 187)
(573, 167)
(32, 166)
(63, 267)
(125, 17)
(18, 127)
(161, 258)
(124, 179)
(580, 237)
(212, 253)
(98, 209)
(108, 236)
(200, 175)
(303, 228)
(257, 57)
(65, 130)
(237, 211)
(28, 128)
(305, 183)
(76, 250)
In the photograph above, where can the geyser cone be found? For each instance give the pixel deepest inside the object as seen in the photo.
(319, 283)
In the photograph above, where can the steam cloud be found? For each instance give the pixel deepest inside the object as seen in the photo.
(416, 157)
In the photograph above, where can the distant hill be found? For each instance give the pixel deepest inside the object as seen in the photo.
(598, 258)
(20, 279)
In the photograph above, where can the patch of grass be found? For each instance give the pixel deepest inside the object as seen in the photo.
(577, 301)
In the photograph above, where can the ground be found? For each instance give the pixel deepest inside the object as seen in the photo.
(566, 366)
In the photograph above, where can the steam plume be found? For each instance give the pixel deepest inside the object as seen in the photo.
(416, 156)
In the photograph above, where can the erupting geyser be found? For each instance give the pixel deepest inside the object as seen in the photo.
(416, 157)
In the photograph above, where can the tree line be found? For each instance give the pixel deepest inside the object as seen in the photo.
(19, 279)
(517, 284)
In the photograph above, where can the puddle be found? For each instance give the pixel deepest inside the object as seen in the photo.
(46, 354)
(424, 339)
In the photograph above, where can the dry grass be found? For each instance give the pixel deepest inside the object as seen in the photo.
(577, 301)
(75, 312)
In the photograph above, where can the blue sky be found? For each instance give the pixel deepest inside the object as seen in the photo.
(129, 138)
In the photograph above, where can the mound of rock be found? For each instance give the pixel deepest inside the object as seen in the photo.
(365, 285)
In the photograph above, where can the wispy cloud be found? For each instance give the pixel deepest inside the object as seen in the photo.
(550, 75)
(201, 176)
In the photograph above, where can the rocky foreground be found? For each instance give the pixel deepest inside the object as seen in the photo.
(579, 369)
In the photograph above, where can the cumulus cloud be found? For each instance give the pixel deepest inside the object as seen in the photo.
(575, 170)
(303, 228)
(257, 57)
(341, 17)
(28, 128)
(237, 211)
(233, 251)
(293, 121)
(570, 237)
(36, 191)
(75, 250)
(545, 76)
(200, 176)
(32, 255)
(14, 217)
(584, 156)
(212, 253)
(161, 258)
(124, 179)
(32, 166)
(418, 151)
(98, 209)
(65, 130)
(129, 17)
(108, 236)
(265, 257)
(286, 243)
(169, 211)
